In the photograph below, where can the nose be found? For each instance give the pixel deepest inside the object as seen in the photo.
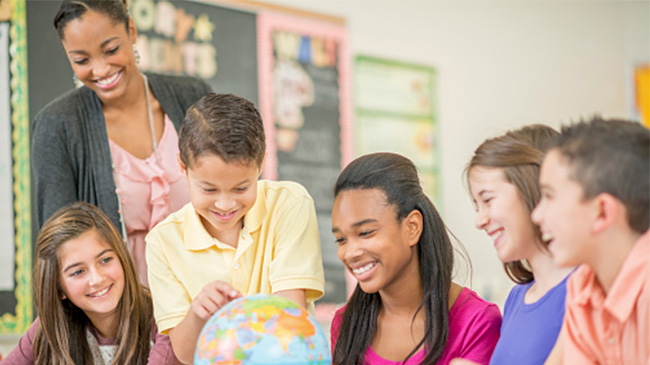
(96, 276)
(224, 203)
(350, 252)
(101, 68)
(482, 219)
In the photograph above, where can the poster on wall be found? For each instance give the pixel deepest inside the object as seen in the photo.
(16, 313)
(395, 112)
(642, 94)
(214, 43)
(304, 101)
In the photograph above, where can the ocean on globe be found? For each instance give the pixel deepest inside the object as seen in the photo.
(262, 329)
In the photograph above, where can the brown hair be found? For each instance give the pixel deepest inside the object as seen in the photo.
(519, 154)
(74, 9)
(61, 335)
(225, 125)
(613, 157)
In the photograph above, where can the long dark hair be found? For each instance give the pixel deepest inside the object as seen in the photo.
(61, 335)
(397, 177)
(519, 154)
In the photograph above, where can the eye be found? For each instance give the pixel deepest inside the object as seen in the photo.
(106, 260)
(112, 50)
(209, 190)
(366, 233)
(82, 61)
(241, 190)
(76, 273)
(340, 241)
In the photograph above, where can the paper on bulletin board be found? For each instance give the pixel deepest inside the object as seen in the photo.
(7, 243)
(394, 103)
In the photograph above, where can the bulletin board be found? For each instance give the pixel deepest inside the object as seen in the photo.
(304, 101)
(394, 96)
(16, 313)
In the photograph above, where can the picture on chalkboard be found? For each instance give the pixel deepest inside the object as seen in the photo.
(304, 94)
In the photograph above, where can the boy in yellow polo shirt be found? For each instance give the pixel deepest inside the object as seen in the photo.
(595, 212)
(239, 236)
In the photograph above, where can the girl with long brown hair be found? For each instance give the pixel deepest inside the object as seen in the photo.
(92, 308)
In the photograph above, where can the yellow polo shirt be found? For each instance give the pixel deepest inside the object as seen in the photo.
(278, 249)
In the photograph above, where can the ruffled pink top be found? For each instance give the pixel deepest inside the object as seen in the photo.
(149, 190)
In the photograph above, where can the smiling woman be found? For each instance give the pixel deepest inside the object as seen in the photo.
(112, 142)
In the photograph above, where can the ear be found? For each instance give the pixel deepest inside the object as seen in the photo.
(181, 164)
(262, 165)
(413, 226)
(133, 31)
(63, 297)
(608, 211)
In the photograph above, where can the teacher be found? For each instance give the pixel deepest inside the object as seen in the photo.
(112, 142)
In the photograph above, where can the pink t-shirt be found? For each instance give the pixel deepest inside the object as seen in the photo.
(149, 190)
(474, 326)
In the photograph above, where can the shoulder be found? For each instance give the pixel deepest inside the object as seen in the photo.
(173, 222)
(63, 108)
(469, 307)
(179, 85)
(516, 294)
(581, 283)
(283, 190)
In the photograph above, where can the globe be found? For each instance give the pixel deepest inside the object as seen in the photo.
(262, 329)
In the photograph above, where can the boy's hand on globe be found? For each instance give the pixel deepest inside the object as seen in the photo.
(212, 297)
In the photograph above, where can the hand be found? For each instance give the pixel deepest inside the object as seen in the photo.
(212, 297)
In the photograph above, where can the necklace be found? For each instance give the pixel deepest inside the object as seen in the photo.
(155, 154)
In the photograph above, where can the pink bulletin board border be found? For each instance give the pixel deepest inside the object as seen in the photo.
(266, 24)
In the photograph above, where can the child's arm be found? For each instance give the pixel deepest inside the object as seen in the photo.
(184, 336)
(297, 295)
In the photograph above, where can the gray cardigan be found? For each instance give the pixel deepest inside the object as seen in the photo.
(71, 158)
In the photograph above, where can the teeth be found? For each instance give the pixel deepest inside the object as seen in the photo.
(99, 294)
(108, 80)
(361, 270)
(546, 237)
(496, 235)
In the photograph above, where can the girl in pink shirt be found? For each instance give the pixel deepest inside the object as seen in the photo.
(405, 308)
(92, 308)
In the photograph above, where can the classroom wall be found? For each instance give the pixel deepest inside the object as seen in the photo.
(501, 64)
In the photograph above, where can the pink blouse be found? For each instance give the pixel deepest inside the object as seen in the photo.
(149, 190)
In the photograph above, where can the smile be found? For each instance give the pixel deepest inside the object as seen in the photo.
(225, 217)
(364, 268)
(109, 82)
(101, 292)
(547, 237)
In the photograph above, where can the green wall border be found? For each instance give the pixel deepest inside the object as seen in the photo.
(24, 313)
